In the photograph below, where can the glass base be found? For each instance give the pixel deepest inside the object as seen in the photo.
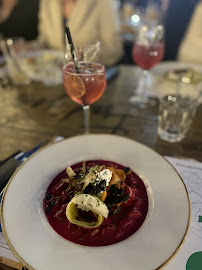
(142, 101)
(169, 137)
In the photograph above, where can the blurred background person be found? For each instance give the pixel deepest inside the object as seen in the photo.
(89, 21)
(190, 49)
(6, 8)
(19, 18)
(178, 16)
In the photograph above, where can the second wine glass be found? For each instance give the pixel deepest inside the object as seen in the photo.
(148, 51)
(86, 83)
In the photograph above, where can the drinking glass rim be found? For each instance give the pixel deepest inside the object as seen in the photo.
(82, 74)
(86, 46)
(164, 101)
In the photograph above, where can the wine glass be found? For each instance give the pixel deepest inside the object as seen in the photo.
(84, 77)
(148, 51)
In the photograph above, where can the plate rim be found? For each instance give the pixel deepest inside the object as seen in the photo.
(38, 53)
(175, 252)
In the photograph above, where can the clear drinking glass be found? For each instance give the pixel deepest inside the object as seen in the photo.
(84, 84)
(148, 51)
(176, 112)
(17, 75)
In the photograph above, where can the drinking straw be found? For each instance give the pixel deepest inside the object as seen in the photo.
(69, 37)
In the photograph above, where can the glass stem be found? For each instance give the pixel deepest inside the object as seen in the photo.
(86, 111)
(144, 86)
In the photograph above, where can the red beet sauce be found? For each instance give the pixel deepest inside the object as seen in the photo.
(118, 226)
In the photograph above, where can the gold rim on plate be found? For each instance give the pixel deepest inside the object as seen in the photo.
(41, 149)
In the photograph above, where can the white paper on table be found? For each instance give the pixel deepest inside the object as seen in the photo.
(158, 85)
(191, 173)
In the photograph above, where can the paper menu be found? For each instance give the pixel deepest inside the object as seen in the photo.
(191, 173)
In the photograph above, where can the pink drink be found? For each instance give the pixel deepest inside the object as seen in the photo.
(147, 57)
(86, 86)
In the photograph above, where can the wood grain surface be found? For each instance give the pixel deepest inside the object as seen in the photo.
(34, 113)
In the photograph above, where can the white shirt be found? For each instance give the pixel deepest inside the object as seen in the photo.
(89, 22)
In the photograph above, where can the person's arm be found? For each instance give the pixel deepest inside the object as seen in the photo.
(110, 32)
(42, 22)
(6, 9)
(190, 49)
(50, 26)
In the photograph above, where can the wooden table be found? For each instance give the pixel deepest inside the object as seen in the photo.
(33, 113)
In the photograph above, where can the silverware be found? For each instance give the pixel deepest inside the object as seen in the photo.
(11, 156)
(8, 166)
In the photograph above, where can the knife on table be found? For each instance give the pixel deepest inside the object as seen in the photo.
(13, 155)
(6, 171)
(9, 165)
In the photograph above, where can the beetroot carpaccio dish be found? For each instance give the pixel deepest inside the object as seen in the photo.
(96, 203)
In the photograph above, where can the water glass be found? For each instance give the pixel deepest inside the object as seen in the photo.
(176, 113)
(17, 76)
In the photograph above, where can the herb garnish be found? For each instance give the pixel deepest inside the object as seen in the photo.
(117, 211)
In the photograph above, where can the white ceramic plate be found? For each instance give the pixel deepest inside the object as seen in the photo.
(38, 246)
(43, 65)
(160, 86)
(165, 66)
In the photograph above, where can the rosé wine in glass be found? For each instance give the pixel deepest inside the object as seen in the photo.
(147, 57)
(148, 51)
(84, 77)
(88, 85)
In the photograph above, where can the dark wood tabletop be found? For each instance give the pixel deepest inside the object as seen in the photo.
(34, 113)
